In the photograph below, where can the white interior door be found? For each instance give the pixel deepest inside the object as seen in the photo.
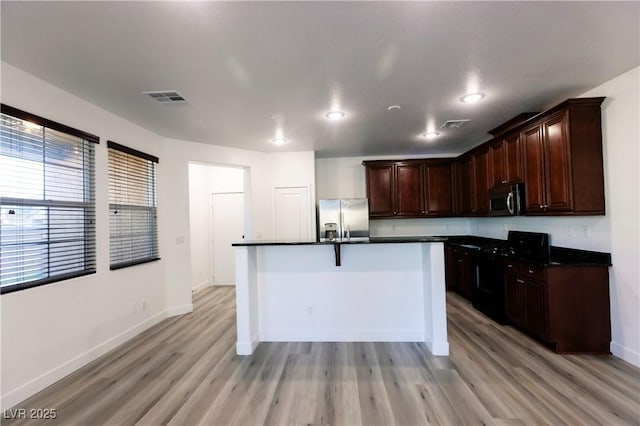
(291, 213)
(227, 225)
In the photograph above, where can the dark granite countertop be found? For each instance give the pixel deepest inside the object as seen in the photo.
(559, 256)
(372, 240)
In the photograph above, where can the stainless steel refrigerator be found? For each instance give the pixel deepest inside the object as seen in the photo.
(343, 220)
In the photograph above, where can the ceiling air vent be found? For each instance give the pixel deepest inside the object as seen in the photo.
(454, 124)
(166, 96)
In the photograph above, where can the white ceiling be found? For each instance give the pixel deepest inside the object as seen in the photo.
(237, 63)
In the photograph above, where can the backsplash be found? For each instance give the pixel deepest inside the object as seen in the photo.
(418, 227)
(587, 233)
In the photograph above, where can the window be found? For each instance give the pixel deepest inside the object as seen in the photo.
(47, 206)
(133, 222)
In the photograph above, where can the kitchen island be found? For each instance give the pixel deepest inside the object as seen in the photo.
(377, 289)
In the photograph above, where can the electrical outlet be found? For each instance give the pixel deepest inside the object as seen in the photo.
(309, 310)
(143, 305)
(585, 231)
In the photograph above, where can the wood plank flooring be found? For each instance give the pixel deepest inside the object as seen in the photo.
(184, 371)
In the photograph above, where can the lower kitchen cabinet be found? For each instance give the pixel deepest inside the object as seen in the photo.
(566, 307)
(459, 269)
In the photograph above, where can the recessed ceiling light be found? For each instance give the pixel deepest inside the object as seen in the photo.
(394, 108)
(278, 141)
(430, 135)
(335, 115)
(470, 98)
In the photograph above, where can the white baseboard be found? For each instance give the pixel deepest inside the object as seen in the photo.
(342, 335)
(33, 386)
(179, 310)
(247, 348)
(203, 284)
(626, 354)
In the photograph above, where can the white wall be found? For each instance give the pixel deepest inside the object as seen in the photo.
(51, 330)
(204, 180)
(263, 171)
(345, 178)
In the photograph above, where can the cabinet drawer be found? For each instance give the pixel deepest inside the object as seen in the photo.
(512, 267)
(535, 272)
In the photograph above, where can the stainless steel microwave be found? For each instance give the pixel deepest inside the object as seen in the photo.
(506, 200)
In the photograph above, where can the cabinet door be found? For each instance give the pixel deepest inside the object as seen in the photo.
(514, 299)
(557, 164)
(380, 184)
(466, 186)
(439, 189)
(534, 185)
(536, 309)
(482, 182)
(498, 166)
(409, 190)
(512, 151)
(464, 274)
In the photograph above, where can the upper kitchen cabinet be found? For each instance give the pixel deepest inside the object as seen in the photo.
(483, 181)
(411, 188)
(506, 160)
(505, 152)
(563, 167)
(438, 181)
(465, 186)
(380, 179)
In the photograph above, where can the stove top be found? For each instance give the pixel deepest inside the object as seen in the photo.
(527, 245)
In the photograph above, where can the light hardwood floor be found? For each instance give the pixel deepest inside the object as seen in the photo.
(184, 371)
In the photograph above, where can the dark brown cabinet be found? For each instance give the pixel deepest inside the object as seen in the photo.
(439, 188)
(558, 155)
(482, 182)
(380, 189)
(548, 183)
(465, 186)
(563, 164)
(506, 160)
(565, 306)
(409, 189)
(459, 270)
(412, 188)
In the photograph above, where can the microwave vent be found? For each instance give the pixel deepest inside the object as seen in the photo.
(455, 124)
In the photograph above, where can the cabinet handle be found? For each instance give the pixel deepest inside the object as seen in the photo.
(531, 271)
(520, 281)
(395, 212)
(509, 266)
(541, 206)
(504, 181)
(423, 212)
(459, 260)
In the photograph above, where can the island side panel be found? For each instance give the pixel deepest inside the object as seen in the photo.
(246, 300)
(376, 295)
(435, 304)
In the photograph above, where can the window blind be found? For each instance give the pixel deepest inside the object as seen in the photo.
(133, 223)
(47, 201)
